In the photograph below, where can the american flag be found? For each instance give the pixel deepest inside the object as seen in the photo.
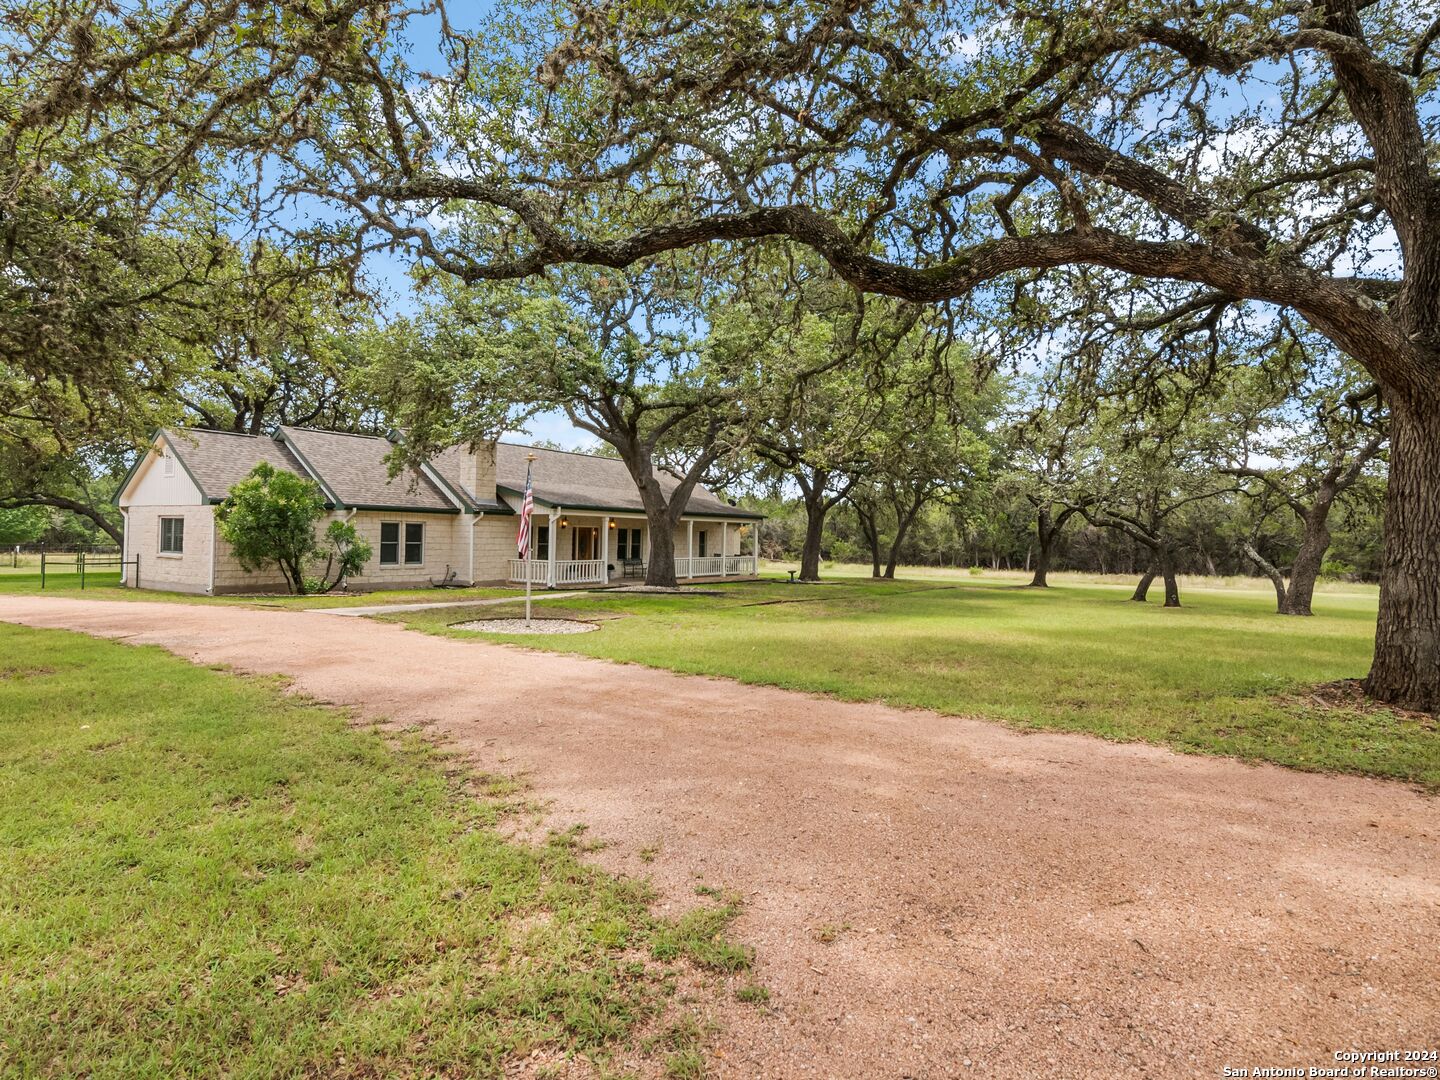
(527, 507)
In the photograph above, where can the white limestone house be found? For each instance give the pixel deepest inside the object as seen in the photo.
(453, 518)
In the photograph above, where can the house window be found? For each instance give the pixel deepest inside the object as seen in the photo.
(701, 535)
(542, 543)
(414, 543)
(627, 544)
(172, 536)
(390, 543)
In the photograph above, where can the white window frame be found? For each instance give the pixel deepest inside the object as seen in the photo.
(170, 553)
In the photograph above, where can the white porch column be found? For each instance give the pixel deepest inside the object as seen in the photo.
(554, 526)
(690, 548)
(605, 549)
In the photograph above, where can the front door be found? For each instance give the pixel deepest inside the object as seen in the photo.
(585, 542)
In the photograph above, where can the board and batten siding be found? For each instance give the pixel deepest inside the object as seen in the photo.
(162, 489)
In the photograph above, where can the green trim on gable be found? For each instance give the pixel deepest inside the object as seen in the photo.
(144, 455)
(181, 458)
(139, 460)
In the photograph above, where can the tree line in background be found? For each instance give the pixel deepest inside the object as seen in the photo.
(889, 261)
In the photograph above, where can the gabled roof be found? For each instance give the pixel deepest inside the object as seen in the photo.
(352, 471)
(586, 482)
(218, 460)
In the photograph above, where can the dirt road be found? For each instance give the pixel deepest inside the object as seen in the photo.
(929, 897)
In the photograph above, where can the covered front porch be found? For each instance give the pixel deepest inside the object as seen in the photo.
(574, 549)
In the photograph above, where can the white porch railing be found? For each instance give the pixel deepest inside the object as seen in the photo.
(579, 572)
(715, 566)
(539, 571)
(567, 571)
(592, 571)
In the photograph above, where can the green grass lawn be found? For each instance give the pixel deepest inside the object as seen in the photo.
(1223, 674)
(201, 877)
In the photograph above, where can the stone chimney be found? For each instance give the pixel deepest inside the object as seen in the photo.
(476, 471)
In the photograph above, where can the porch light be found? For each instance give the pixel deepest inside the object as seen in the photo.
(612, 523)
(564, 523)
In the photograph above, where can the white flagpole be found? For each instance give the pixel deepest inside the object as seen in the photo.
(530, 536)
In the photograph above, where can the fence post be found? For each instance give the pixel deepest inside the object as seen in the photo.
(137, 570)
(42, 566)
(81, 558)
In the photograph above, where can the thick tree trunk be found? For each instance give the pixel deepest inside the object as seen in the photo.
(1172, 584)
(1044, 536)
(1142, 588)
(902, 526)
(1271, 571)
(660, 566)
(814, 535)
(660, 563)
(1406, 670)
(1308, 561)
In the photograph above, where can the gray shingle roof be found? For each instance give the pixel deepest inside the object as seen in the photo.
(584, 482)
(353, 473)
(218, 460)
(352, 468)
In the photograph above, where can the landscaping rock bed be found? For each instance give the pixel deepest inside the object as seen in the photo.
(534, 626)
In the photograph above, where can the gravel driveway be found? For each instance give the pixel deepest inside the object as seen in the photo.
(929, 896)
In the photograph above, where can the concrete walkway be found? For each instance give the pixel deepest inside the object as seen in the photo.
(388, 609)
(927, 896)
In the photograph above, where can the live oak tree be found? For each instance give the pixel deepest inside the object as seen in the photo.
(124, 174)
(1047, 449)
(1301, 456)
(930, 440)
(275, 338)
(1150, 470)
(610, 351)
(1247, 155)
(818, 388)
(1245, 158)
(122, 192)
